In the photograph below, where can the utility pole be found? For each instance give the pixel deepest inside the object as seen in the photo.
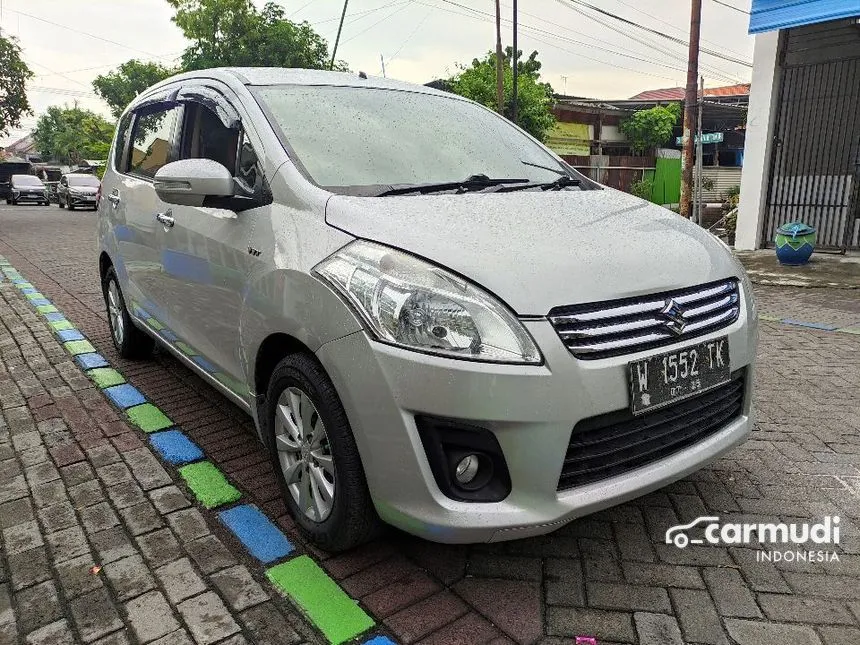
(516, 65)
(564, 80)
(690, 107)
(500, 63)
(337, 39)
(699, 161)
(382, 60)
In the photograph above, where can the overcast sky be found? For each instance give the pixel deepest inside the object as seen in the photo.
(419, 40)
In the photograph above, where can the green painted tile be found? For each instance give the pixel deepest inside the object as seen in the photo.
(152, 322)
(105, 377)
(850, 330)
(769, 317)
(76, 347)
(60, 325)
(186, 349)
(209, 485)
(329, 608)
(46, 309)
(33, 296)
(24, 285)
(148, 418)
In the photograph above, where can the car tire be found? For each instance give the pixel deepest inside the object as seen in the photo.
(60, 202)
(130, 342)
(351, 518)
(70, 207)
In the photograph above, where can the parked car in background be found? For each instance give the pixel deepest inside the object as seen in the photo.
(78, 191)
(27, 188)
(433, 320)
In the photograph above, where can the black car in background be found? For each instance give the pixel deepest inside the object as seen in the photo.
(78, 189)
(26, 188)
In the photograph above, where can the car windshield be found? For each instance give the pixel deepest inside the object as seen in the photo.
(27, 180)
(86, 180)
(347, 137)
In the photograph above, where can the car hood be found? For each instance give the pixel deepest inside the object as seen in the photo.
(537, 250)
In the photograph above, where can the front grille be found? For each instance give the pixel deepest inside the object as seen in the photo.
(615, 443)
(615, 327)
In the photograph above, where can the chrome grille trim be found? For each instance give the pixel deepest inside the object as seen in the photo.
(601, 330)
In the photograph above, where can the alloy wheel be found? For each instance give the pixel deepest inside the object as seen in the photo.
(304, 454)
(114, 305)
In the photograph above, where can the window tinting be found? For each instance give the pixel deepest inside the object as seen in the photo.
(121, 141)
(206, 137)
(26, 180)
(347, 136)
(151, 141)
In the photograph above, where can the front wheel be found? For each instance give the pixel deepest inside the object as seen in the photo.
(315, 457)
(129, 341)
(59, 202)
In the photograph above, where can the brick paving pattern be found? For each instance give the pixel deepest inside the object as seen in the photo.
(609, 574)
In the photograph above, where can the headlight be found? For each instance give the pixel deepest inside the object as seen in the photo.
(413, 304)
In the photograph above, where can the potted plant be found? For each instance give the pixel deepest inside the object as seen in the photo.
(730, 213)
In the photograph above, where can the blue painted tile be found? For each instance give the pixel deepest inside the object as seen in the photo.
(168, 335)
(262, 538)
(125, 396)
(28, 290)
(175, 447)
(811, 325)
(91, 361)
(40, 301)
(70, 334)
(380, 640)
(54, 317)
(206, 365)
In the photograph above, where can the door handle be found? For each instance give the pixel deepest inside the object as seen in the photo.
(114, 198)
(166, 218)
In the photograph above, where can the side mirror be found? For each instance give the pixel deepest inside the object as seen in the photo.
(190, 181)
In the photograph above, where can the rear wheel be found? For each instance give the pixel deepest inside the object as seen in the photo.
(129, 341)
(315, 456)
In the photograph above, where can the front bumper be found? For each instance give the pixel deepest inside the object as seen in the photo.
(530, 409)
(81, 200)
(29, 197)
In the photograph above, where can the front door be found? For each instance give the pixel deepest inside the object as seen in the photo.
(205, 254)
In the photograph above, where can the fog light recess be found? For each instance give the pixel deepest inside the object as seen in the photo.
(467, 461)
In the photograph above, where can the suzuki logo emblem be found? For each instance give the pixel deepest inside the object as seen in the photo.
(674, 315)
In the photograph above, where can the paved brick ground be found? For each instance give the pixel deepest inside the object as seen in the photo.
(99, 544)
(608, 574)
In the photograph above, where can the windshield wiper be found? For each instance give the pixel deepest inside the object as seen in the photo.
(562, 182)
(557, 171)
(472, 182)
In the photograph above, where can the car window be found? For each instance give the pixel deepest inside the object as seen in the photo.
(347, 136)
(206, 137)
(87, 180)
(26, 180)
(122, 140)
(152, 141)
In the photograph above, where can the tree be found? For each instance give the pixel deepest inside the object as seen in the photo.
(233, 33)
(648, 129)
(69, 135)
(14, 75)
(119, 87)
(534, 98)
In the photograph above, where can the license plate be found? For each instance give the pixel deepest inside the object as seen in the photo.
(663, 379)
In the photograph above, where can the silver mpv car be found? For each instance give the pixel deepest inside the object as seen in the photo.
(433, 320)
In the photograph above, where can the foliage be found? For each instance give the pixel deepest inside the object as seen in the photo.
(234, 33)
(119, 87)
(643, 189)
(69, 135)
(648, 129)
(534, 99)
(14, 74)
(730, 208)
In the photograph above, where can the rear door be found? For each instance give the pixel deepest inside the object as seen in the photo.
(135, 205)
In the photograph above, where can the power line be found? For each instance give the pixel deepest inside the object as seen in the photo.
(409, 37)
(83, 33)
(482, 16)
(383, 19)
(675, 27)
(304, 6)
(731, 6)
(61, 91)
(680, 41)
(712, 71)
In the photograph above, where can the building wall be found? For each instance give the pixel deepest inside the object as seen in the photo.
(759, 136)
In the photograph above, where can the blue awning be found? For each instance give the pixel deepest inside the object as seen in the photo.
(767, 15)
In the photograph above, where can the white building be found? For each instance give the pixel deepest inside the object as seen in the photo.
(802, 154)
